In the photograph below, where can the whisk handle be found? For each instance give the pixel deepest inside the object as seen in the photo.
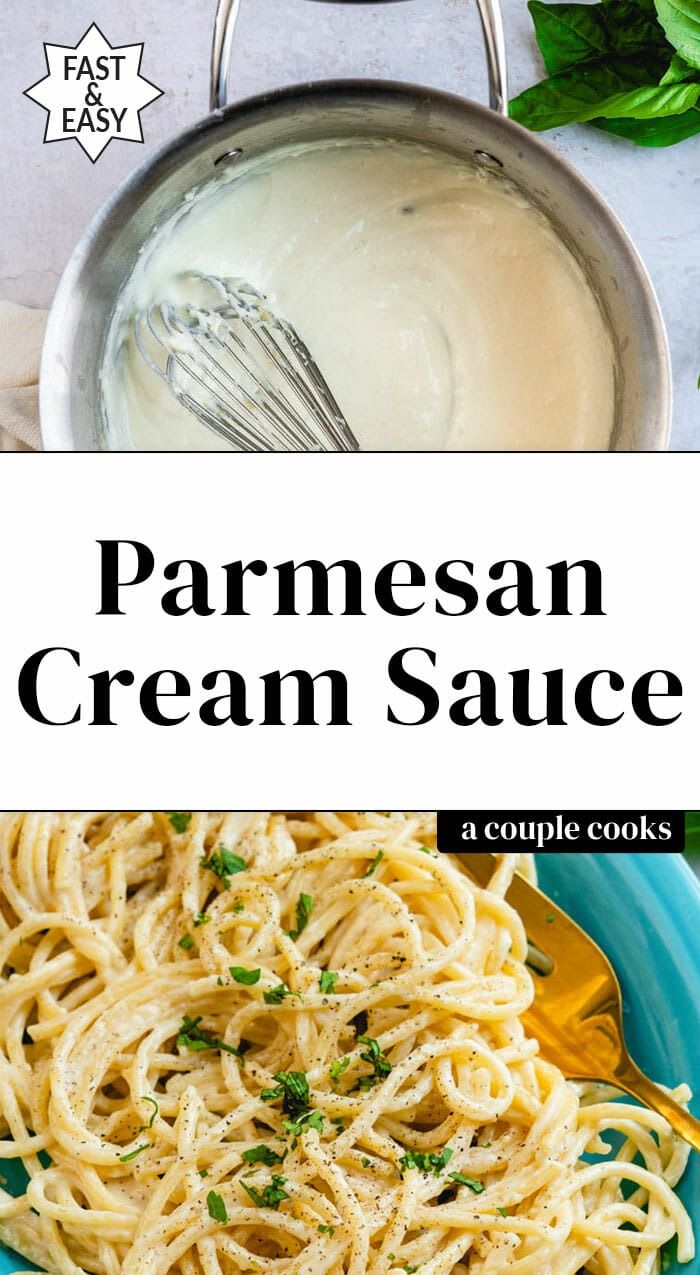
(228, 11)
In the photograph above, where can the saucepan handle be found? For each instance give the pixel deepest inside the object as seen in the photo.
(227, 12)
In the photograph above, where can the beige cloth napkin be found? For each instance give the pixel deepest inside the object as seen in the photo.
(21, 338)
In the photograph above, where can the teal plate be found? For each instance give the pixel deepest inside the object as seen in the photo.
(644, 911)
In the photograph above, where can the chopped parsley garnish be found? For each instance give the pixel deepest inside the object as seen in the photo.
(130, 1155)
(359, 1023)
(375, 1055)
(551, 916)
(304, 908)
(309, 1120)
(261, 1155)
(427, 1161)
(328, 981)
(503, 1212)
(365, 1162)
(224, 864)
(204, 1173)
(411, 1270)
(156, 1109)
(337, 1068)
(293, 1089)
(476, 1187)
(192, 1036)
(275, 995)
(378, 1061)
(202, 918)
(363, 1083)
(179, 820)
(338, 1123)
(238, 907)
(271, 1196)
(241, 975)
(186, 942)
(325, 1230)
(374, 864)
(217, 1208)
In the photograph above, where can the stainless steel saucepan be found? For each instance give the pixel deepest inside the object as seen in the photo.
(71, 412)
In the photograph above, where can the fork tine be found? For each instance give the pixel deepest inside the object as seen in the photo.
(576, 1015)
(537, 911)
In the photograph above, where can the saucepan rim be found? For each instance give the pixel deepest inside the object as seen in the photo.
(56, 427)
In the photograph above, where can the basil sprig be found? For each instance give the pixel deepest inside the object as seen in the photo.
(631, 67)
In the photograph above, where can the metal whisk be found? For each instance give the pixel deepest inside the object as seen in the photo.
(241, 369)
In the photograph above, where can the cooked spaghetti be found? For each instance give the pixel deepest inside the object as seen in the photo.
(293, 1044)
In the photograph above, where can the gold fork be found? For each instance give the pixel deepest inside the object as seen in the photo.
(577, 1011)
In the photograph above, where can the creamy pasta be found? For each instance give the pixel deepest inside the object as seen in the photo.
(293, 1044)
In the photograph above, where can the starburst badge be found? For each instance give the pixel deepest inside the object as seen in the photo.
(93, 92)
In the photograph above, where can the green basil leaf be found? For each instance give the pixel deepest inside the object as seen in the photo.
(666, 131)
(568, 34)
(580, 94)
(650, 103)
(679, 72)
(613, 65)
(680, 20)
(692, 831)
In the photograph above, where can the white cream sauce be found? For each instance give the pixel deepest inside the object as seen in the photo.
(441, 306)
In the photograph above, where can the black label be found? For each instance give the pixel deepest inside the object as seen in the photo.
(551, 830)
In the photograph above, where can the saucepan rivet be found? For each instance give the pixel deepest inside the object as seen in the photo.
(488, 160)
(234, 154)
